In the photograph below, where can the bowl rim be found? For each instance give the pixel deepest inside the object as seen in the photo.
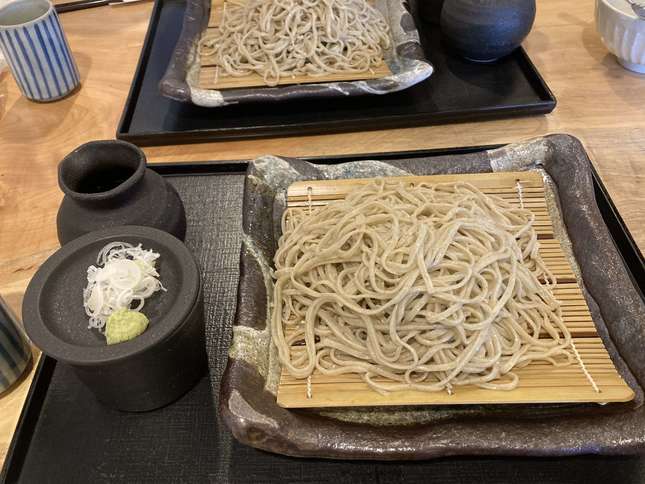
(138, 156)
(28, 23)
(81, 355)
(609, 4)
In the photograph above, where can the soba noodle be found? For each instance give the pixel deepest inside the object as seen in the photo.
(278, 38)
(425, 288)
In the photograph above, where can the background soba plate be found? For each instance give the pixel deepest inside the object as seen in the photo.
(248, 403)
(405, 59)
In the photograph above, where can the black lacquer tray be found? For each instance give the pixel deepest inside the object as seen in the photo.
(458, 90)
(64, 435)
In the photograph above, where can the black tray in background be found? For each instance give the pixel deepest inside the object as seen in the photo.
(64, 435)
(458, 90)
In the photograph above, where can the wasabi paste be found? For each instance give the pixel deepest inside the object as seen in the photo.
(125, 324)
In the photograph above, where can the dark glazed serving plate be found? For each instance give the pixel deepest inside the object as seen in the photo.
(404, 58)
(457, 91)
(147, 372)
(248, 393)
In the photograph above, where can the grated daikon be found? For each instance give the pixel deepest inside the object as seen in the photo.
(124, 275)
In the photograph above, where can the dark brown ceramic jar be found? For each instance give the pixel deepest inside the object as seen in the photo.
(107, 184)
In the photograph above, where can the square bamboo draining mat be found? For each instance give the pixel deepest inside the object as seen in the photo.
(592, 378)
(207, 71)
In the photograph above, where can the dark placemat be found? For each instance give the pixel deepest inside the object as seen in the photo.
(458, 90)
(76, 440)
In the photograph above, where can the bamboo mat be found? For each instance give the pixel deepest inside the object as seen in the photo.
(208, 78)
(539, 382)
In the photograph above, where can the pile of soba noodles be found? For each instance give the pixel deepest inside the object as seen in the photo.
(285, 38)
(423, 287)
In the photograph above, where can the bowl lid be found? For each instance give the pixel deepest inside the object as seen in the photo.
(53, 312)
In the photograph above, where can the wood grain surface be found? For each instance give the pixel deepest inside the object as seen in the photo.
(598, 101)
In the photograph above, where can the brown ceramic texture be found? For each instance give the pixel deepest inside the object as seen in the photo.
(248, 403)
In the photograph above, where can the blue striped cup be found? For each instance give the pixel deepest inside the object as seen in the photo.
(15, 352)
(34, 45)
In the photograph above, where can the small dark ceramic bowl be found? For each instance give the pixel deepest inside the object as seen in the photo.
(147, 372)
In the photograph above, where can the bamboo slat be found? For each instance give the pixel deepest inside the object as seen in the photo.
(209, 78)
(540, 382)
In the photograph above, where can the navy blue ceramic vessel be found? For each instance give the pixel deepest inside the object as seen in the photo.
(485, 30)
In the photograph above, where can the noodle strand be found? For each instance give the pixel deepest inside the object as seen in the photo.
(427, 288)
(287, 38)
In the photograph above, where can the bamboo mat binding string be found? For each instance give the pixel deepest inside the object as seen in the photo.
(309, 385)
(575, 312)
(520, 195)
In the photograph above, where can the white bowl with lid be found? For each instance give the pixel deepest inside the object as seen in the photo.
(622, 32)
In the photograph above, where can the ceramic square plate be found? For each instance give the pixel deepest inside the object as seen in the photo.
(405, 60)
(248, 401)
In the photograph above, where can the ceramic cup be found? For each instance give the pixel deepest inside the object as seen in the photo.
(34, 45)
(622, 32)
(15, 353)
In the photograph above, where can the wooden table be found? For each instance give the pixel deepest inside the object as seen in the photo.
(598, 101)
